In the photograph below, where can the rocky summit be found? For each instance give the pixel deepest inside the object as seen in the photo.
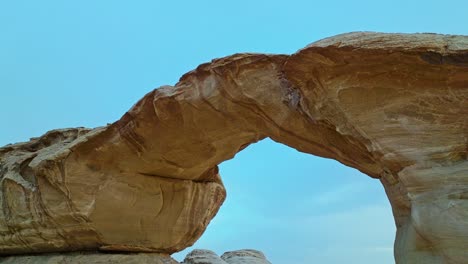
(394, 106)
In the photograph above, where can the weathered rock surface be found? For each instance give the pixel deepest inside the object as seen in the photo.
(54, 201)
(394, 106)
(197, 256)
(247, 256)
(202, 256)
(90, 258)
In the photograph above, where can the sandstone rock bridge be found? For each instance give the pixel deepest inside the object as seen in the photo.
(394, 106)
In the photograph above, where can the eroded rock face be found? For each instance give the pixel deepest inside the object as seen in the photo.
(53, 201)
(202, 256)
(394, 106)
(197, 256)
(244, 256)
(90, 258)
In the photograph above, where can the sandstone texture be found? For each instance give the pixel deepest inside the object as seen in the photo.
(90, 258)
(203, 256)
(394, 106)
(52, 203)
(245, 256)
(197, 256)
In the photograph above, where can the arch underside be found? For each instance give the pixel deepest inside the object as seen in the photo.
(393, 106)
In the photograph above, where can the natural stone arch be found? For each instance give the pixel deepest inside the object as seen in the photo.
(393, 106)
(299, 208)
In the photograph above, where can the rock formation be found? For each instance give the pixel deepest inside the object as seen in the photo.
(197, 256)
(89, 257)
(245, 256)
(394, 106)
(201, 256)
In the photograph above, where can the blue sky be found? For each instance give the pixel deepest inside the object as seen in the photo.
(84, 63)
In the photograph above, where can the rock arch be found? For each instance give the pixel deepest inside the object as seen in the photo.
(393, 106)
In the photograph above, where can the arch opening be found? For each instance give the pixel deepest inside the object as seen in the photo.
(299, 208)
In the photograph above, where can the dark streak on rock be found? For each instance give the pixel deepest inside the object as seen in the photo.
(459, 59)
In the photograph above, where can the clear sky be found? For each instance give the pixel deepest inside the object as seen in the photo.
(84, 63)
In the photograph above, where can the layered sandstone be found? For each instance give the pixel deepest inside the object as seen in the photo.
(394, 106)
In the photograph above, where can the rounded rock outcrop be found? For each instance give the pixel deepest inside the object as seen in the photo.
(202, 256)
(245, 256)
